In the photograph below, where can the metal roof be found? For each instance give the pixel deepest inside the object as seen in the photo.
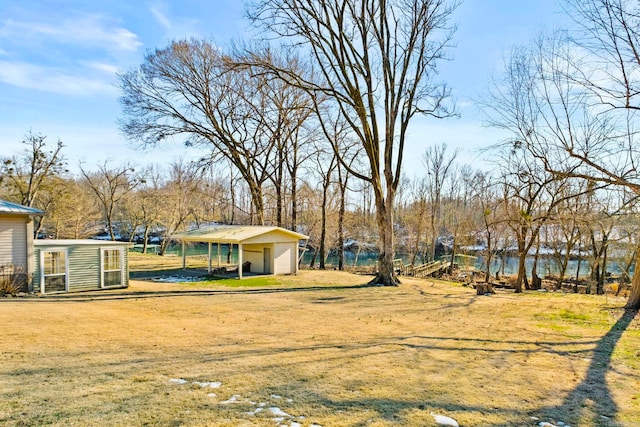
(235, 233)
(76, 242)
(14, 208)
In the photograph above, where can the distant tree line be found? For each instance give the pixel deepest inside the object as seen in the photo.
(517, 209)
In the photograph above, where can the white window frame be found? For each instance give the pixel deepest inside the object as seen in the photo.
(42, 269)
(103, 270)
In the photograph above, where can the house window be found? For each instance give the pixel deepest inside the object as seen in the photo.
(112, 261)
(54, 271)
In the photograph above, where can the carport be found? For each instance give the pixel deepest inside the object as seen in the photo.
(269, 250)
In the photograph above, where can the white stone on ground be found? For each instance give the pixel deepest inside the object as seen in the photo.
(278, 412)
(232, 399)
(444, 420)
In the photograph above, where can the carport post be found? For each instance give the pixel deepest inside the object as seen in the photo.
(218, 254)
(209, 269)
(239, 260)
(184, 257)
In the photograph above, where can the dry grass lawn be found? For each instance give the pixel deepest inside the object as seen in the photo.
(320, 348)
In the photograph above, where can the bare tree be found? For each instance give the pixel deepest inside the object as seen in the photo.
(549, 104)
(179, 195)
(28, 174)
(563, 234)
(30, 178)
(190, 90)
(608, 32)
(326, 171)
(437, 164)
(377, 64)
(111, 185)
(530, 195)
(75, 214)
(609, 71)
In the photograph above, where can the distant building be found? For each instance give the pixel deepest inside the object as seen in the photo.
(262, 249)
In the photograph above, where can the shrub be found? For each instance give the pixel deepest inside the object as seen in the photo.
(12, 280)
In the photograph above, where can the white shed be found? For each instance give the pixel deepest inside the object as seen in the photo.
(269, 250)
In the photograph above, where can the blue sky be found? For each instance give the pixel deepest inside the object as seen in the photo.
(58, 60)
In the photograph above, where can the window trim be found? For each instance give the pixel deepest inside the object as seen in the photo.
(103, 270)
(42, 269)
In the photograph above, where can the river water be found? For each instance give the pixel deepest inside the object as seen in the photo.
(506, 266)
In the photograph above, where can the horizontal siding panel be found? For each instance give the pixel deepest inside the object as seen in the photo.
(13, 242)
(282, 258)
(84, 266)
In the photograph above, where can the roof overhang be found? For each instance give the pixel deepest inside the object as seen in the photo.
(9, 208)
(237, 234)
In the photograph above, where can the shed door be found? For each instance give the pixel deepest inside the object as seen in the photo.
(266, 261)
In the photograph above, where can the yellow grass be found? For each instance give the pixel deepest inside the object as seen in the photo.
(323, 349)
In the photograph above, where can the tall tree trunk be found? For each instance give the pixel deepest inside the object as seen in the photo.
(536, 282)
(232, 189)
(257, 203)
(384, 208)
(323, 236)
(313, 258)
(145, 237)
(341, 212)
(453, 252)
(603, 275)
(294, 199)
(279, 185)
(488, 255)
(522, 256)
(633, 303)
(323, 222)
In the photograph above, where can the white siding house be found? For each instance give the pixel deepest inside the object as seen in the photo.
(16, 238)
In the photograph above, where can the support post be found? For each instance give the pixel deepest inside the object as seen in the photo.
(218, 254)
(209, 259)
(184, 257)
(239, 260)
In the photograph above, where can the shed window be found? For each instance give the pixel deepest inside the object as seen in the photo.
(111, 267)
(54, 271)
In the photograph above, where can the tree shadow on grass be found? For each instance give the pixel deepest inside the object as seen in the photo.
(591, 400)
(121, 294)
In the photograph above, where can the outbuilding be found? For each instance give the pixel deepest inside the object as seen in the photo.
(79, 265)
(48, 266)
(264, 249)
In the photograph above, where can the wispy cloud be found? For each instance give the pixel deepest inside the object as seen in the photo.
(174, 27)
(101, 67)
(74, 54)
(158, 12)
(82, 29)
(51, 79)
